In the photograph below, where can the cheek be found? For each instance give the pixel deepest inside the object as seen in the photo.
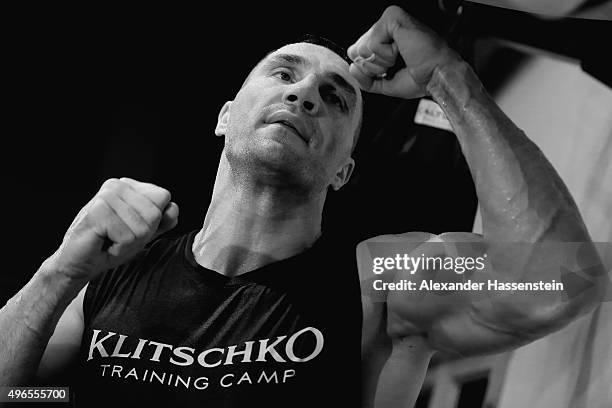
(247, 107)
(338, 140)
(333, 146)
(240, 114)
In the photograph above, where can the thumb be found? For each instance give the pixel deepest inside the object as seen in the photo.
(399, 85)
(365, 81)
(169, 219)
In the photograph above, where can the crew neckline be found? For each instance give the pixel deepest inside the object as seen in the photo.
(189, 259)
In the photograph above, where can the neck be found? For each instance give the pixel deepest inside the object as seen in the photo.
(250, 224)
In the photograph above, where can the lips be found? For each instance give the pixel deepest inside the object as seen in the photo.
(290, 125)
(290, 120)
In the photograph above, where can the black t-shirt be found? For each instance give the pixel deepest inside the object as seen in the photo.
(166, 331)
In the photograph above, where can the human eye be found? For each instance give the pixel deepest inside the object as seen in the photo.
(331, 95)
(336, 101)
(283, 74)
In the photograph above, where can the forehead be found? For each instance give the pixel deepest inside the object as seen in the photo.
(315, 54)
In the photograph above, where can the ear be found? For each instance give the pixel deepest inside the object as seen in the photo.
(223, 119)
(343, 175)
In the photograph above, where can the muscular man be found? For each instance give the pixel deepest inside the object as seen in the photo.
(260, 306)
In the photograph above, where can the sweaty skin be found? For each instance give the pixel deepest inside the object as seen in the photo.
(522, 199)
(271, 185)
(288, 135)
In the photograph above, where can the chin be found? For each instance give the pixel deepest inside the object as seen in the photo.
(273, 163)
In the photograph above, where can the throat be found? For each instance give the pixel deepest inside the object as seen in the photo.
(249, 225)
(232, 257)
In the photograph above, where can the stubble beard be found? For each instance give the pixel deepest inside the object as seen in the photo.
(253, 164)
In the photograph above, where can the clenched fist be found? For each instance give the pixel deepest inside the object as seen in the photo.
(397, 35)
(117, 223)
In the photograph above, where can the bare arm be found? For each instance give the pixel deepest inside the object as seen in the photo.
(60, 357)
(402, 376)
(522, 197)
(28, 320)
(522, 200)
(125, 214)
(389, 359)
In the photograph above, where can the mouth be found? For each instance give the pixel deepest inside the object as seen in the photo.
(292, 127)
(291, 122)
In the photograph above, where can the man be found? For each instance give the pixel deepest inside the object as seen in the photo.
(253, 309)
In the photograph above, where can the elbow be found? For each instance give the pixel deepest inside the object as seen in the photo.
(544, 319)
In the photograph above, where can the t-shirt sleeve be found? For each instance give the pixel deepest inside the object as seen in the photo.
(108, 284)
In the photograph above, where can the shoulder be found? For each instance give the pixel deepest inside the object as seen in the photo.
(146, 262)
(168, 243)
(163, 247)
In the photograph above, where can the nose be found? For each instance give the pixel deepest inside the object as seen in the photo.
(303, 94)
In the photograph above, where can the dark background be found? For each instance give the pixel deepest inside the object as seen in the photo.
(109, 91)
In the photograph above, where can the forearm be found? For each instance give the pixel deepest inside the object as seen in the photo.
(522, 199)
(28, 320)
(402, 376)
(521, 196)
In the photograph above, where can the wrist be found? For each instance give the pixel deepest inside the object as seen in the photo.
(56, 275)
(39, 304)
(452, 79)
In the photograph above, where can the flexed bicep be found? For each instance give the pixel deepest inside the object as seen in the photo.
(473, 296)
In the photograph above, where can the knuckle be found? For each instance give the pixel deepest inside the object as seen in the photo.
(165, 195)
(141, 232)
(102, 214)
(110, 182)
(113, 185)
(98, 207)
(153, 216)
(120, 185)
(393, 10)
(105, 198)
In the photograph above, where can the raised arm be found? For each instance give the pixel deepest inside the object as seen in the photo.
(110, 229)
(522, 200)
(521, 196)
